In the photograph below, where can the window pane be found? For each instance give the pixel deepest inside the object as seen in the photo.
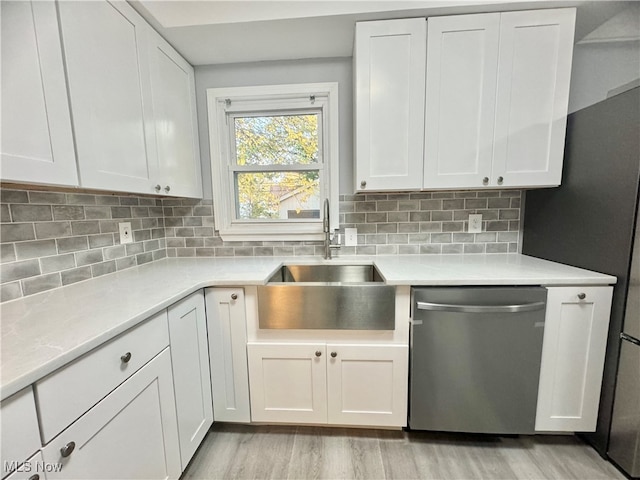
(277, 140)
(278, 195)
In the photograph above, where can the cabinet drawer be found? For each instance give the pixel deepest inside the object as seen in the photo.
(69, 392)
(131, 434)
(19, 430)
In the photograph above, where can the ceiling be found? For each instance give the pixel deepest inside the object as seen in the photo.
(221, 31)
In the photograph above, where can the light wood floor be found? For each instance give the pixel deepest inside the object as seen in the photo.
(283, 452)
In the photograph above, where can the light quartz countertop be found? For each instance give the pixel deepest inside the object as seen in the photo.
(43, 332)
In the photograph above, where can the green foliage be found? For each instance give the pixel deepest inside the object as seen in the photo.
(275, 140)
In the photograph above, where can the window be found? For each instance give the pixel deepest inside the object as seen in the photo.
(274, 159)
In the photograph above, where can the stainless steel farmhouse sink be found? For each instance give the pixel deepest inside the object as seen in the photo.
(342, 297)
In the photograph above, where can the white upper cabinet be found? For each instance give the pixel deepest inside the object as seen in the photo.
(534, 69)
(389, 70)
(107, 67)
(495, 96)
(176, 128)
(462, 60)
(37, 141)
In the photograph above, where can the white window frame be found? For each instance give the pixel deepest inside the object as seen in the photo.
(222, 105)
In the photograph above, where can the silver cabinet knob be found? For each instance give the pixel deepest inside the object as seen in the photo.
(485, 181)
(582, 296)
(500, 180)
(167, 188)
(234, 296)
(363, 184)
(35, 476)
(68, 449)
(318, 353)
(126, 357)
(158, 188)
(334, 354)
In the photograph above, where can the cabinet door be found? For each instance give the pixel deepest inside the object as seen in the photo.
(575, 340)
(191, 377)
(132, 433)
(534, 68)
(389, 69)
(462, 60)
(367, 385)
(176, 128)
(32, 469)
(288, 383)
(37, 142)
(19, 433)
(108, 71)
(228, 354)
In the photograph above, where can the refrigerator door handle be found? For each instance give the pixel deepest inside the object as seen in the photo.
(629, 338)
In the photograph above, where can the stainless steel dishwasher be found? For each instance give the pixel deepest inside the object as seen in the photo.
(475, 358)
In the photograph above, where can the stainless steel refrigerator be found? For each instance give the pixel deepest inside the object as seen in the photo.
(624, 441)
(590, 222)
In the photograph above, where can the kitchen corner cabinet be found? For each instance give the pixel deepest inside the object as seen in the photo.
(174, 111)
(575, 337)
(130, 106)
(320, 383)
(227, 324)
(389, 71)
(108, 72)
(37, 140)
(497, 93)
(131, 433)
(191, 376)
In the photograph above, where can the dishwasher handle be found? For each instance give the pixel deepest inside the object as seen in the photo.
(445, 307)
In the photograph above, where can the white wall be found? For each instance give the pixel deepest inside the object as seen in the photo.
(600, 67)
(276, 73)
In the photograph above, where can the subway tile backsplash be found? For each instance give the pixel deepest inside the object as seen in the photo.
(51, 239)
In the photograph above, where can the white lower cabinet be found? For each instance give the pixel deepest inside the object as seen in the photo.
(19, 434)
(227, 326)
(32, 469)
(367, 385)
(131, 434)
(575, 339)
(328, 383)
(288, 382)
(191, 377)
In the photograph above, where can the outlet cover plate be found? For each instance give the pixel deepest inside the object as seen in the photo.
(350, 237)
(126, 235)
(475, 223)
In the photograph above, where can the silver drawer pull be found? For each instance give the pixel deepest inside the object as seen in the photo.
(68, 449)
(444, 307)
(35, 476)
(318, 353)
(126, 357)
(582, 296)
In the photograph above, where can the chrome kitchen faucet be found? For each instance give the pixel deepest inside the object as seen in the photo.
(327, 232)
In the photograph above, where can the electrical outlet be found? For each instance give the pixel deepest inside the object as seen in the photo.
(475, 223)
(126, 235)
(350, 237)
